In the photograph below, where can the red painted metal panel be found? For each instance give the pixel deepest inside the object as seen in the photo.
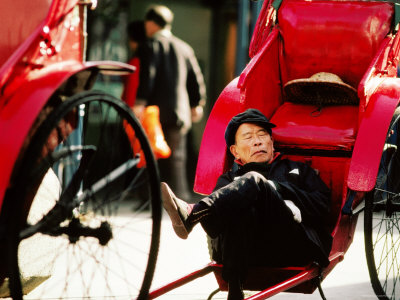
(344, 233)
(259, 82)
(262, 29)
(57, 38)
(19, 19)
(340, 37)
(372, 77)
(19, 114)
(372, 134)
(17, 117)
(212, 161)
(45, 49)
(269, 48)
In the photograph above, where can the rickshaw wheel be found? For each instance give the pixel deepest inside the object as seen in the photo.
(381, 219)
(83, 219)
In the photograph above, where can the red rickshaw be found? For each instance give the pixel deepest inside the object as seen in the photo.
(352, 145)
(67, 165)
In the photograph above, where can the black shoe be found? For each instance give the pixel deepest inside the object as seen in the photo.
(178, 211)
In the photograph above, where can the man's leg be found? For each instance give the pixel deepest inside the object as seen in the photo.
(215, 212)
(243, 213)
(248, 193)
(173, 169)
(238, 213)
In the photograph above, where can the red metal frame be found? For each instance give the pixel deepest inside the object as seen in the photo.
(298, 279)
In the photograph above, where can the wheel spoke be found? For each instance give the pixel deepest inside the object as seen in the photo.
(381, 226)
(99, 236)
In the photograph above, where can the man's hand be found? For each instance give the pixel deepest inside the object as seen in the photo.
(197, 113)
(138, 110)
(295, 210)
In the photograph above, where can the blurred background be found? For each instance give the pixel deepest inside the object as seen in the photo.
(218, 30)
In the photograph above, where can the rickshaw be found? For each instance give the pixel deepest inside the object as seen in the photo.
(80, 201)
(353, 145)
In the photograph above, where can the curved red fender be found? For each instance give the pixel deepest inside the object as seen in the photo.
(21, 110)
(18, 115)
(212, 161)
(372, 134)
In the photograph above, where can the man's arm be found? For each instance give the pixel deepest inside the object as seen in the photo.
(309, 193)
(196, 87)
(223, 180)
(147, 74)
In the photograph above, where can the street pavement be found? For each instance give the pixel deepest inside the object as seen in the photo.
(349, 280)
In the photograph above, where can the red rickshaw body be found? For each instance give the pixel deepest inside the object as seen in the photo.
(355, 40)
(278, 59)
(42, 47)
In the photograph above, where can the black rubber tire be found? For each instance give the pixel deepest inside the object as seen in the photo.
(117, 259)
(381, 220)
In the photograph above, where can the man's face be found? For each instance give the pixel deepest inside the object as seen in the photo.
(133, 45)
(252, 144)
(151, 28)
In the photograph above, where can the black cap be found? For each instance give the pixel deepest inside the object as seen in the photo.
(251, 115)
(160, 15)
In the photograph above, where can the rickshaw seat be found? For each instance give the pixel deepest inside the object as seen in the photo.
(341, 45)
(307, 127)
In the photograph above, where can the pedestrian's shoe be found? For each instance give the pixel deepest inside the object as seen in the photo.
(178, 211)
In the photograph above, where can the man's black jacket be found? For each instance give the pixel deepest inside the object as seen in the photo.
(299, 183)
(170, 77)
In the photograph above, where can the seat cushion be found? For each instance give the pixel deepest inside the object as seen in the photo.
(306, 127)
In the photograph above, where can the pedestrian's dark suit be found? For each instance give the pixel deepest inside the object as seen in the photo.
(251, 224)
(171, 78)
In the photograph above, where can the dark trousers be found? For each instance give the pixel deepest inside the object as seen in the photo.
(173, 169)
(254, 227)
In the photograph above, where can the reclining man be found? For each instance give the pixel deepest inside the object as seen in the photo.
(266, 211)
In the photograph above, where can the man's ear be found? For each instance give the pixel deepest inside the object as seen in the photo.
(232, 148)
(273, 143)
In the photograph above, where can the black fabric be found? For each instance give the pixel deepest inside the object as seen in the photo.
(173, 169)
(250, 115)
(252, 226)
(235, 290)
(171, 78)
(136, 31)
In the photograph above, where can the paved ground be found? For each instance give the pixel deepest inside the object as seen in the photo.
(349, 280)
